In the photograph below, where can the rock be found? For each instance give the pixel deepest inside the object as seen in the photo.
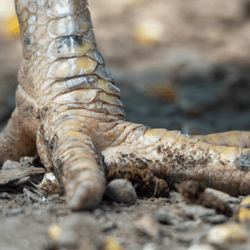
(201, 247)
(121, 191)
(166, 217)
(5, 196)
(194, 193)
(225, 235)
(149, 31)
(150, 246)
(232, 200)
(75, 230)
(216, 219)
(17, 211)
(188, 237)
(245, 201)
(243, 214)
(111, 243)
(223, 196)
(194, 211)
(147, 225)
(187, 225)
(219, 194)
(208, 200)
(108, 226)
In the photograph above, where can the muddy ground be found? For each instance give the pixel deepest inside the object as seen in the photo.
(193, 76)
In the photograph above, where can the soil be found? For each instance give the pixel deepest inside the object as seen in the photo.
(194, 77)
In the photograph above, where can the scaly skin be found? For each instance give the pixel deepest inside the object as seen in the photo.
(68, 109)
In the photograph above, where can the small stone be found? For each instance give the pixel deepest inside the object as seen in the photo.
(111, 244)
(227, 234)
(216, 219)
(201, 247)
(5, 195)
(194, 211)
(86, 244)
(98, 213)
(194, 193)
(223, 196)
(121, 191)
(147, 225)
(108, 226)
(189, 237)
(219, 194)
(166, 217)
(232, 200)
(150, 246)
(74, 230)
(17, 211)
(243, 214)
(187, 225)
(245, 201)
(54, 230)
(209, 200)
(149, 31)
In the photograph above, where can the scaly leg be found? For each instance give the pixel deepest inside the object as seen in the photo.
(15, 141)
(230, 139)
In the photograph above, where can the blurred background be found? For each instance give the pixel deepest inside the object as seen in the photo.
(180, 64)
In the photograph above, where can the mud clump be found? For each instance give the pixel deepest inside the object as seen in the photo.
(140, 173)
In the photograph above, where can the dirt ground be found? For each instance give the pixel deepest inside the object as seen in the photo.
(194, 76)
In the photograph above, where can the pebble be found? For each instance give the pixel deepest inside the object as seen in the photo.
(166, 217)
(121, 191)
(150, 246)
(233, 200)
(224, 235)
(243, 214)
(111, 244)
(108, 226)
(54, 231)
(98, 213)
(5, 195)
(149, 31)
(201, 247)
(219, 194)
(194, 211)
(75, 229)
(189, 237)
(17, 211)
(187, 225)
(216, 219)
(245, 201)
(147, 225)
(223, 196)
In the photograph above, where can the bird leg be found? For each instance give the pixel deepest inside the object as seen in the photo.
(68, 108)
